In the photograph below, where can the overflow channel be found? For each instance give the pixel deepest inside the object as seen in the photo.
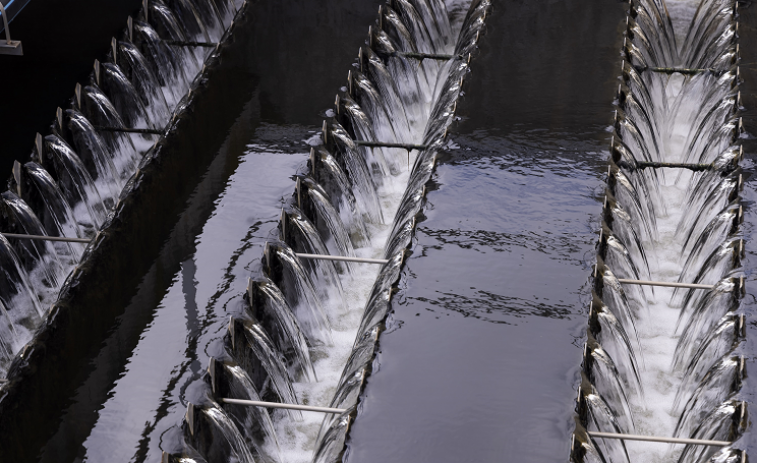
(660, 361)
(75, 176)
(308, 329)
(304, 329)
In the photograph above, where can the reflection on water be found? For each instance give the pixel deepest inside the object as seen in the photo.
(183, 317)
(481, 351)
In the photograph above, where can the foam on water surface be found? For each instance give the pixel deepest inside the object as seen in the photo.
(681, 13)
(658, 322)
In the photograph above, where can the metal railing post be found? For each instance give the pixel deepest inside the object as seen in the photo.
(9, 47)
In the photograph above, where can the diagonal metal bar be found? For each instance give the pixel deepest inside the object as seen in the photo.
(666, 440)
(305, 408)
(663, 283)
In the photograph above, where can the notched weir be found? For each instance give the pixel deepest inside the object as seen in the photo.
(76, 174)
(307, 332)
(662, 361)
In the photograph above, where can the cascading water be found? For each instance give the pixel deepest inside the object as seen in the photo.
(660, 361)
(309, 328)
(76, 173)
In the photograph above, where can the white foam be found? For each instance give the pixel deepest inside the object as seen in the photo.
(298, 439)
(681, 12)
(657, 322)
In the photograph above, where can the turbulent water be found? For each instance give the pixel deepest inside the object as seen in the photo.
(76, 173)
(245, 317)
(660, 361)
(302, 330)
(353, 201)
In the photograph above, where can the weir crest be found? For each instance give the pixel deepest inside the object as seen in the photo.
(310, 327)
(661, 361)
(73, 181)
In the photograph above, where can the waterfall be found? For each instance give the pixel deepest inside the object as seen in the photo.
(75, 175)
(309, 328)
(661, 361)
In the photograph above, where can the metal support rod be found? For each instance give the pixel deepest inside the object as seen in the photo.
(304, 408)
(681, 70)
(45, 238)
(5, 24)
(673, 165)
(662, 283)
(9, 47)
(379, 144)
(342, 259)
(180, 43)
(667, 440)
(422, 56)
(129, 130)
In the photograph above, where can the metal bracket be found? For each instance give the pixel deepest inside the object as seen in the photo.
(9, 47)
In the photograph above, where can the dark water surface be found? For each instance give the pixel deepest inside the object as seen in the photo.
(481, 355)
(190, 313)
(61, 40)
(132, 393)
(480, 360)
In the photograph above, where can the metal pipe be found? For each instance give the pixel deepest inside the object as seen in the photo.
(180, 43)
(681, 70)
(342, 258)
(673, 165)
(304, 408)
(667, 440)
(129, 130)
(378, 144)
(45, 238)
(662, 283)
(422, 56)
